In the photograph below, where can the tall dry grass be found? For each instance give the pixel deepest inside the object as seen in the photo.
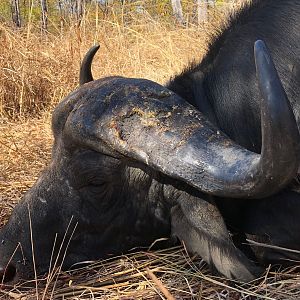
(37, 70)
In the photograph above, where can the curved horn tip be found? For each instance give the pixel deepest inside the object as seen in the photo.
(95, 47)
(280, 133)
(260, 45)
(263, 59)
(85, 74)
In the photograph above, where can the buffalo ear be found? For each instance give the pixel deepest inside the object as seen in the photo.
(85, 74)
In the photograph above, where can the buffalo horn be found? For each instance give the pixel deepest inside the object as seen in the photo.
(143, 121)
(85, 74)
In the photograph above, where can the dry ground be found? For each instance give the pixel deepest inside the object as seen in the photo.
(35, 73)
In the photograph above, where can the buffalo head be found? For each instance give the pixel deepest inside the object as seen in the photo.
(129, 158)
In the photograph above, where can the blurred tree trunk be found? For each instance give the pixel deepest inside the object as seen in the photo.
(177, 11)
(15, 12)
(44, 18)
(202, 11)
(79, 10)
(61, 14)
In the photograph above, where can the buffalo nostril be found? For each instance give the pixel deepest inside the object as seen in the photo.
(7, 273)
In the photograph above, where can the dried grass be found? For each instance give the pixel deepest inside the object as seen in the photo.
(35, 73)
(166, 274)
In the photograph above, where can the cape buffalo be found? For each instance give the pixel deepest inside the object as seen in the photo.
(133, 161)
